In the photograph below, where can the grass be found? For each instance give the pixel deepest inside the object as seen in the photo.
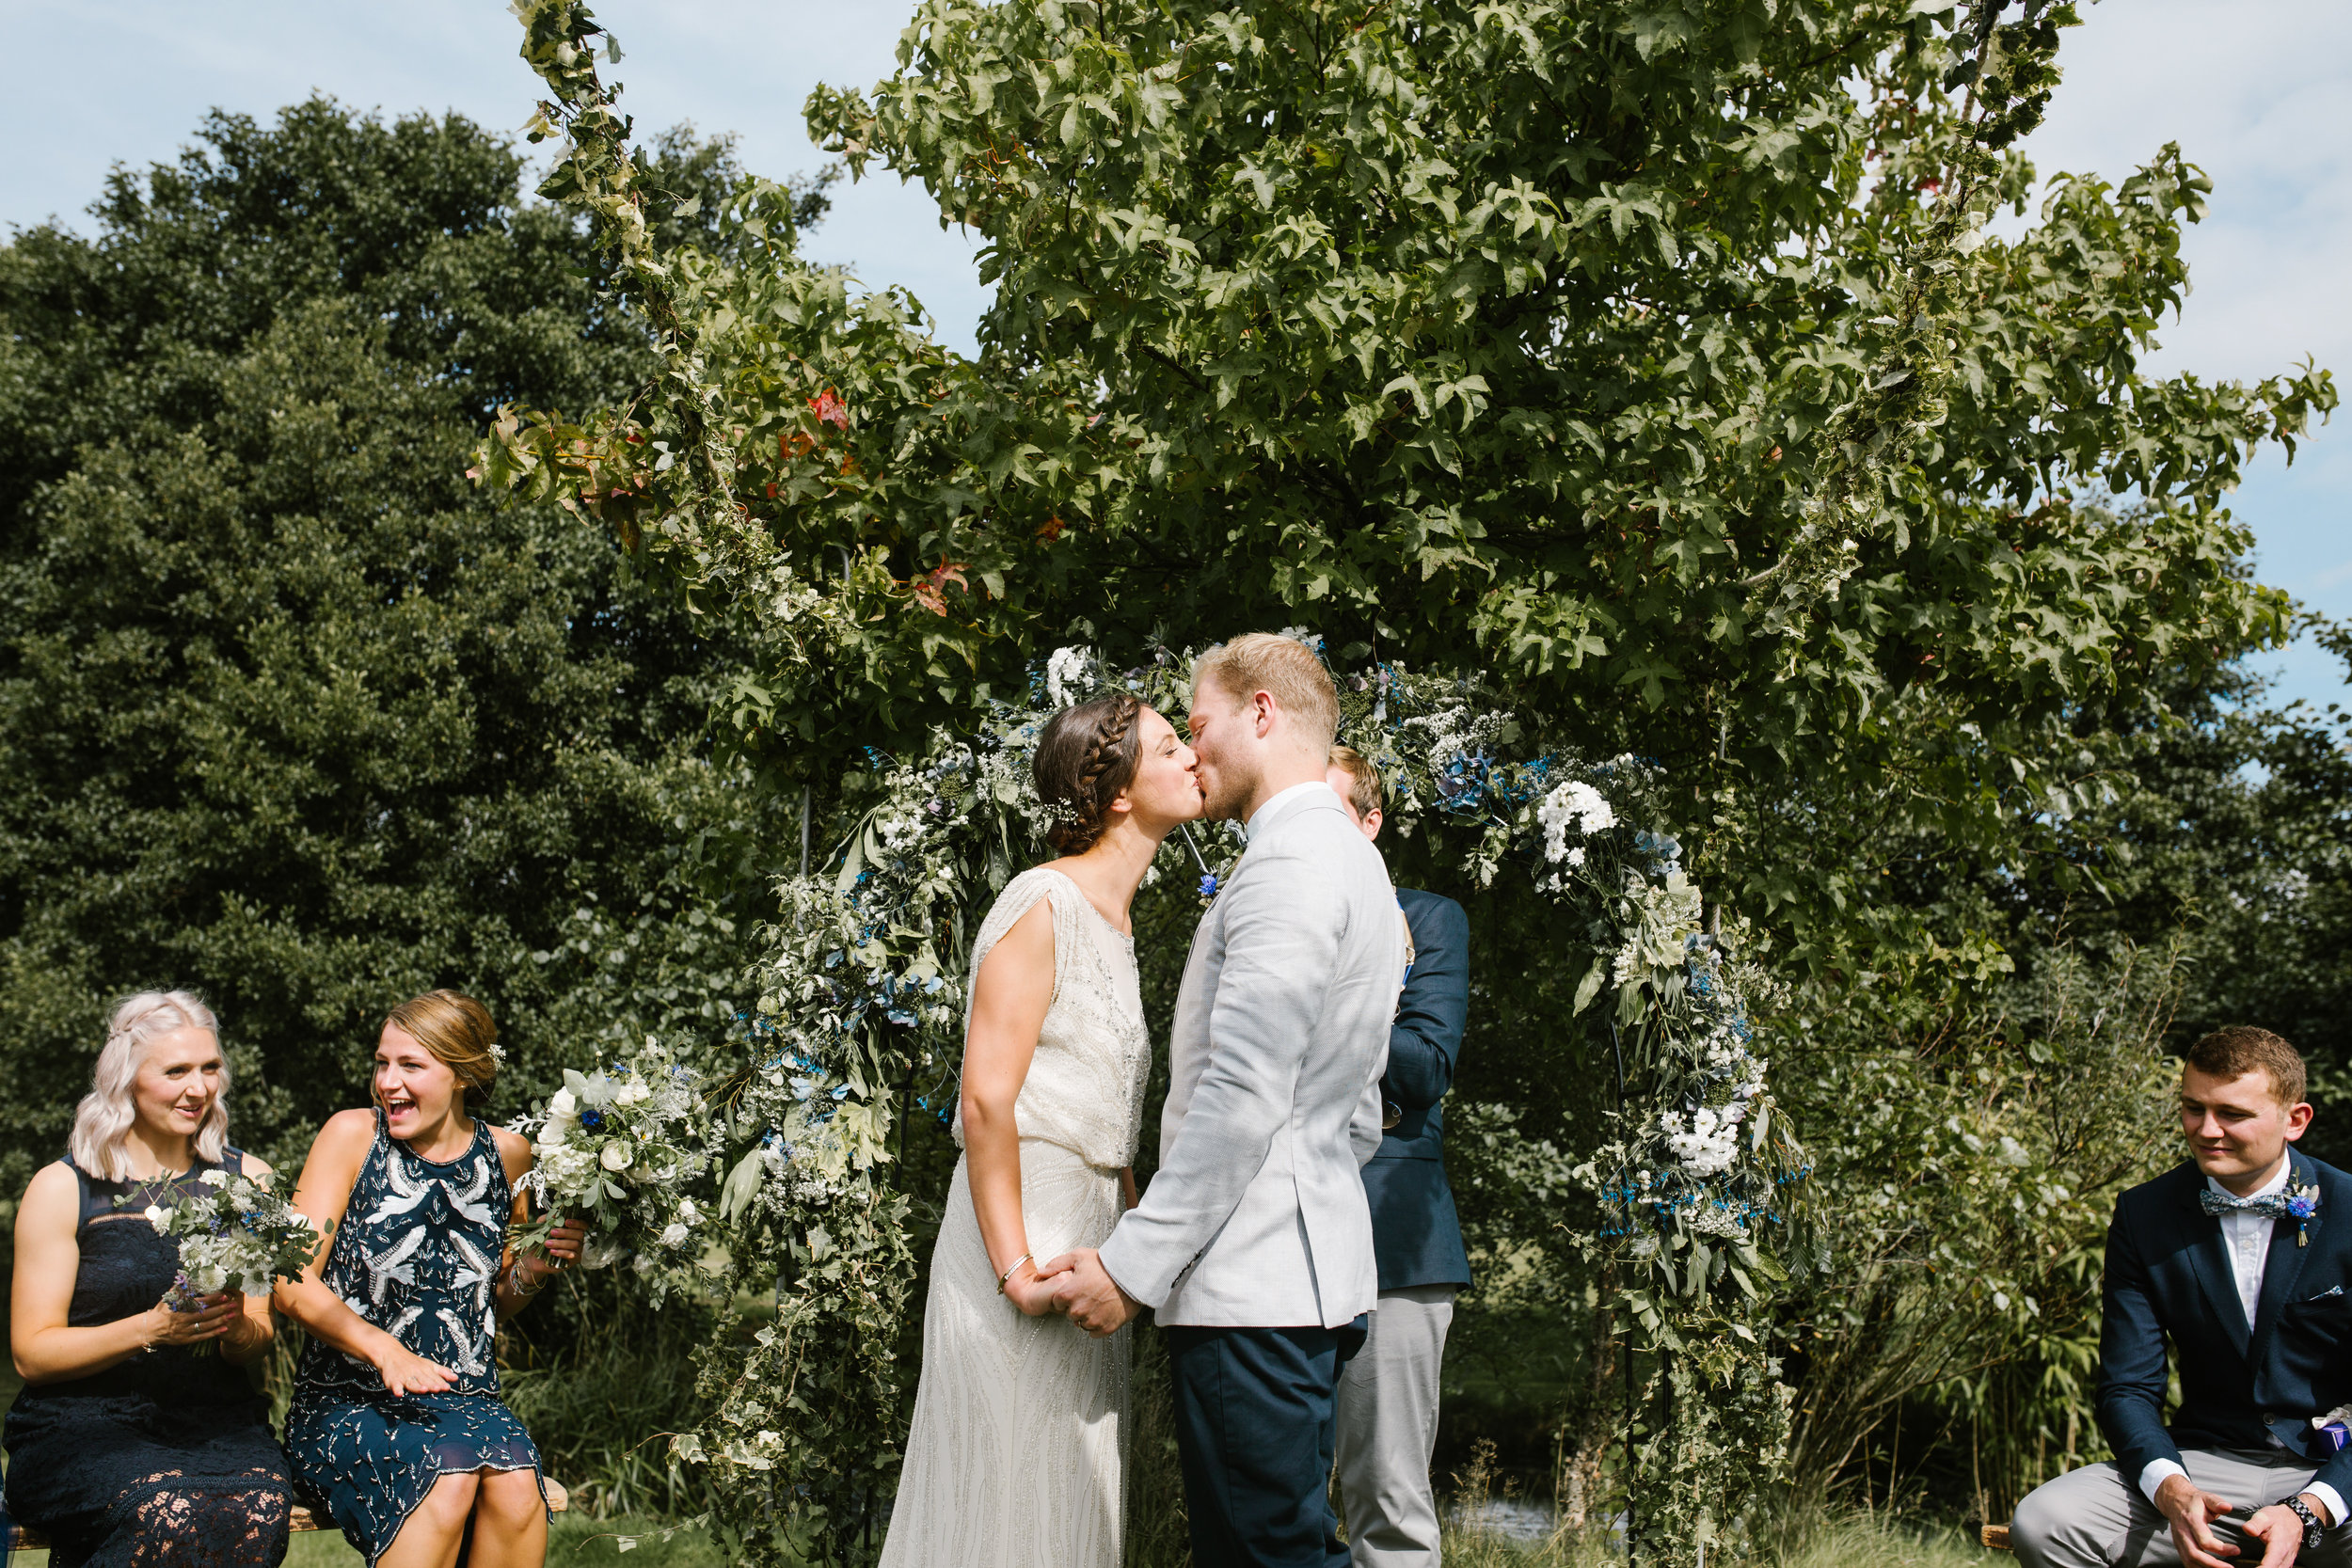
(1844, 1540)
(1853, 1542)
(572, 1541)
(1884, 1541)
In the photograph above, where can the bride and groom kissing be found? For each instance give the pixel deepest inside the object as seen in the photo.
(1254, 1244)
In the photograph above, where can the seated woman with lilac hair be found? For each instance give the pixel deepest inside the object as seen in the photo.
(127, 1446)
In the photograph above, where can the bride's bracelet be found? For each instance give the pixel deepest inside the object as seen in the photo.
(1004, 1278)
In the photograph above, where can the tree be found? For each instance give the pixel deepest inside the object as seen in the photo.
(290, 715)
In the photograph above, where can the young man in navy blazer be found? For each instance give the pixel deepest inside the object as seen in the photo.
(1388, 1398)
(2241, 1257)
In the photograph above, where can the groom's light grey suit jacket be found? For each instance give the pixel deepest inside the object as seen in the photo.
(1257, 1218)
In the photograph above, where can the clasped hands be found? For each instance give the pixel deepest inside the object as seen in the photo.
(2192, 1510)
(1075, 1284)
(220, 1316)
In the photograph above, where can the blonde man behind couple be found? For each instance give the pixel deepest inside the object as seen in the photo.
(1254, 1244)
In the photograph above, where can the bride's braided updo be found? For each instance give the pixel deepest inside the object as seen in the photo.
(1087, 755)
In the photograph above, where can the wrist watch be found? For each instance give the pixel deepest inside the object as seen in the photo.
(2314, 1531)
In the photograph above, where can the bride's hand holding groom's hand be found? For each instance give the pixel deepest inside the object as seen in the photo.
(1031, 1289)
(1086, 1290)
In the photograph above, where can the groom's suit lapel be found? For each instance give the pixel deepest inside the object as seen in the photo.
(2210, 1255)
(2285, 1262)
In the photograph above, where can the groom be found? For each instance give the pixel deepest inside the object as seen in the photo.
(2240, 1258)
(1254, 1240)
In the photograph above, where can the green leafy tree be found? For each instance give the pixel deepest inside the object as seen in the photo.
(290, 715)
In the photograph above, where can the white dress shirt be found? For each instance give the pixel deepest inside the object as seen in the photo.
(2245, 1236)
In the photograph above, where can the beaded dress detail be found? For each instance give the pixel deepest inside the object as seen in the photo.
(163, 1461)
(416, 1255)
(1016, 1454)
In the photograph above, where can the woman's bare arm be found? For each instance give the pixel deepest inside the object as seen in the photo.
(322, 1192)
(521, 1278)
(1010, 999)
(48, 1258)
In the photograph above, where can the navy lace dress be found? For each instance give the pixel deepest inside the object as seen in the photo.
(164, 1459)
(416, 1255)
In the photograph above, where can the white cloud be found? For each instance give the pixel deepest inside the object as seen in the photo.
(2258, 94)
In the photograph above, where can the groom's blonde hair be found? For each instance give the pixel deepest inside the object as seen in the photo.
(1282, 666)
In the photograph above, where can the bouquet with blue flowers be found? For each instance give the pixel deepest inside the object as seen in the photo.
(235, 1234)
(617, 1148)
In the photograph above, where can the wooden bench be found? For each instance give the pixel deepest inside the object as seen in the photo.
(300, 1518)
(1995, 1537)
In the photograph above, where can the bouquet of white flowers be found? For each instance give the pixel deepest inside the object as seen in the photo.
(235, 1234)
(616, 1148)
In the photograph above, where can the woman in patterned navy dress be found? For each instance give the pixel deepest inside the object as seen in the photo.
(397, 1424)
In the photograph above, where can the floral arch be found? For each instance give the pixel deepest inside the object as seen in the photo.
(859, 1028)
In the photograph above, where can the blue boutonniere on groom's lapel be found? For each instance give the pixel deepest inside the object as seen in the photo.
(2299, 1202)
(2302, 1203)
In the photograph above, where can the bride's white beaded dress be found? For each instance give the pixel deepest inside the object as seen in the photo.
(1016, 1456)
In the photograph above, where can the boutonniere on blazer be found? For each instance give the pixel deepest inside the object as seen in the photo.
(2297, 1201)
(2302, 1202)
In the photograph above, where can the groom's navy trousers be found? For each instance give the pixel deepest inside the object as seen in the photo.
(1255, 1412)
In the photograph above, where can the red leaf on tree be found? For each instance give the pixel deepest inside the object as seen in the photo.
(831, 409)
(930, 588)
(1051, 530)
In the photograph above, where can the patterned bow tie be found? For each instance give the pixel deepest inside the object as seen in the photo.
(2276, 1206)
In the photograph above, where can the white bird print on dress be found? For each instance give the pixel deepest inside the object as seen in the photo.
(478, 1271)
(468, 1201)
(467, 1357)
(406, 1192)
(383, 1269)
(400, 1325)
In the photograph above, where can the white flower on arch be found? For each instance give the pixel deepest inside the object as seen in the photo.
(1572, 803)
(1062, 674)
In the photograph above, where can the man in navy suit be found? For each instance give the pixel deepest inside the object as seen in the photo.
(2241, 1257)
(1387, 1403)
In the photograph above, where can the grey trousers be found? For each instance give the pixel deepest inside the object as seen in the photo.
(2095, 1517)
(1388, 1424)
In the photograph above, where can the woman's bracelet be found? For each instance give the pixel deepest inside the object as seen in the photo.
(515, 1282)
(1006, 1277)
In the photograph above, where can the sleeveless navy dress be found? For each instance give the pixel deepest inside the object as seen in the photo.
(416, 1255)
(163, 1459)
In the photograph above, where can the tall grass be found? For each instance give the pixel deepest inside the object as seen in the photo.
(602, 1400)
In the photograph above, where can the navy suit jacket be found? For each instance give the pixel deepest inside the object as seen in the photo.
(1416, 1234)
(2168, 1276)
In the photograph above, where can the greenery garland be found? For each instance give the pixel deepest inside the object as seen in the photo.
(859, 1025)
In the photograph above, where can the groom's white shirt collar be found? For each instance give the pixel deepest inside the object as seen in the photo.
(1265, 814)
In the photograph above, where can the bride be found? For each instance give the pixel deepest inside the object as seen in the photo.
(1016, 1450)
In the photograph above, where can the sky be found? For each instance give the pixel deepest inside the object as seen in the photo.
(2257, 92)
